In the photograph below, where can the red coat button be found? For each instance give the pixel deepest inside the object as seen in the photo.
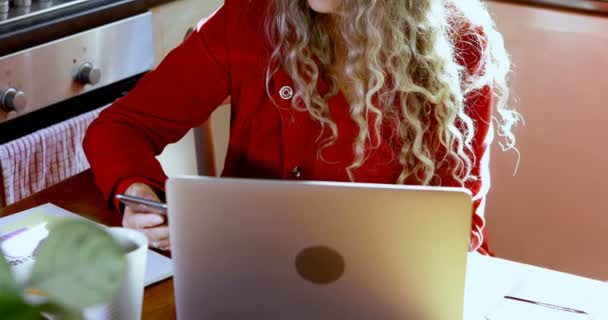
(296, 172)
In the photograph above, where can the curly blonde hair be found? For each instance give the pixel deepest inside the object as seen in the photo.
(402, 66)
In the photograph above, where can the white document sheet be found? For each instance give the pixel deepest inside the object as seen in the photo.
(21, 233)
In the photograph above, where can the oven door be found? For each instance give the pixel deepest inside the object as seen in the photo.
(50, 93)
(58, 80)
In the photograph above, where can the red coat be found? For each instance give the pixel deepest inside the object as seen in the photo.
(227, 56)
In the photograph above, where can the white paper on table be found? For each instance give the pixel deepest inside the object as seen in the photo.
(18, 249)
(554, 300)
(490, 279)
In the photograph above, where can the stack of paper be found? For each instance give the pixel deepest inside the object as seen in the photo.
(22, 233)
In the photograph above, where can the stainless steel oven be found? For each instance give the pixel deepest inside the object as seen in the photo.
(67, 76)
(60, 63)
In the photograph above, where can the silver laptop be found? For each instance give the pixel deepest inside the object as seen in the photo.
(264, 249)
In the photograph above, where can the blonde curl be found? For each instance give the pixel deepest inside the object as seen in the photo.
(402, 65)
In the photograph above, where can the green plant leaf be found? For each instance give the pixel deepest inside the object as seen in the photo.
(13, 307)
(7, 282)
(79, 265)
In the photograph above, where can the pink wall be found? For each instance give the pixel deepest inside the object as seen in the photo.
(554, 212)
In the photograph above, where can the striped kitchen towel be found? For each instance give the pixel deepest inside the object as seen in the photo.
(43, 158)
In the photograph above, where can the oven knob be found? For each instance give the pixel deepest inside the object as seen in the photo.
(13, 100)
(88, 74)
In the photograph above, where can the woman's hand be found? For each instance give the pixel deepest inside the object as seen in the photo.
(153, 225)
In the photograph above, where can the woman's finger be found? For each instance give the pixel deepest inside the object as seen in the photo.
(142, 190)
(163, 245)
(156, 234)
(139, 220)
(139, 208)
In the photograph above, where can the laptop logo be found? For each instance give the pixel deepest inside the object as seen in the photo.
(320, 265)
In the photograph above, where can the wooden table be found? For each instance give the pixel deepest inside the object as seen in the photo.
(79, 195)
(488, 279)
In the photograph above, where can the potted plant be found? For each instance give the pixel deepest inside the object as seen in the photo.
(78, 265)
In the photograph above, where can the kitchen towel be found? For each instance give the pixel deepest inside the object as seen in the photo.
(41, 159)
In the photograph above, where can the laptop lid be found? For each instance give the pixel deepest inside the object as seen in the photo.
(266, 249)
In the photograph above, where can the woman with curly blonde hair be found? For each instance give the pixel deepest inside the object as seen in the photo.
(379, 91)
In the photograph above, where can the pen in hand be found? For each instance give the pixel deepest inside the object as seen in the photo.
(149, 204)
(144, 212)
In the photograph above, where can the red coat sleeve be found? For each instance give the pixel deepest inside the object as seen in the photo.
(180, 94)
